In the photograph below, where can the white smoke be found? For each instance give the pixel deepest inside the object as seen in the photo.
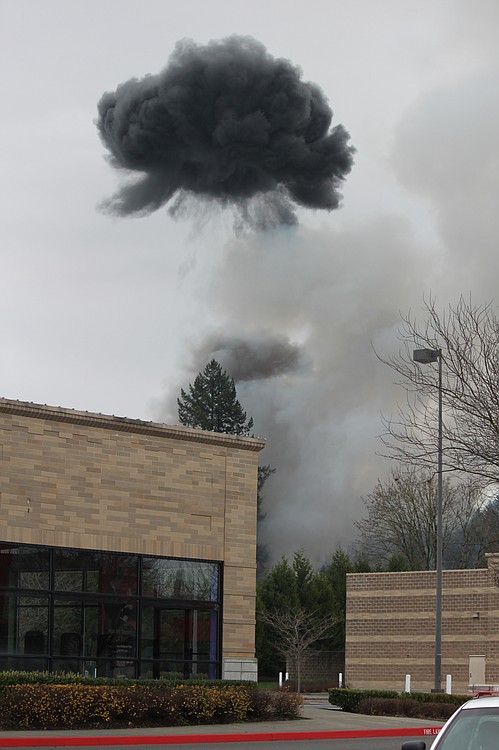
(338, 290)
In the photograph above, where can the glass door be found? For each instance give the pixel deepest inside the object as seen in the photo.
(171, 642)
(181, 642)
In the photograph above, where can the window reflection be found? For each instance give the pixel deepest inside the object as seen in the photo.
(23, 624)
(24, 567)
(181, 642)
(99, 572)
(97, 608)
(180, 579)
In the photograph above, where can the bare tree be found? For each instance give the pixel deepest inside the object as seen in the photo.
(402, 520)
(296, 631)
(468, 336)
(488, 524)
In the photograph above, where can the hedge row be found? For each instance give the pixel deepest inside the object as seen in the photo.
(365, 701)
(349, 699)
(406, 707)
(47, 706)
(14, 677)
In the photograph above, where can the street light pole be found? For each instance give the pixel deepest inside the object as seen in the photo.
(425, 357)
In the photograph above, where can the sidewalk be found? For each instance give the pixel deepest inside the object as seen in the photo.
(319, 720)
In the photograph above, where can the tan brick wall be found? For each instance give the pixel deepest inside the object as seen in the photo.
(77, 479)
(391, 627)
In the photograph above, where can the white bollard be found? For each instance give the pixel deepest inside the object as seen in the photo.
(407, 683)
(280, 679)
(448, 684)
(340, 680)
(287, 677)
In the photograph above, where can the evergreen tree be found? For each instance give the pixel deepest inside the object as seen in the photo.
(298, 590)
(212, 403)
(305, 579)
(276, 589)
(262, 550)
(336, 573)
(285, 591)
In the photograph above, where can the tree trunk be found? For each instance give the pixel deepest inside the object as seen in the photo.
(298, 673)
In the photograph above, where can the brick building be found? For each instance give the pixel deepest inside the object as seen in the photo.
(126, 547)
(390, 628)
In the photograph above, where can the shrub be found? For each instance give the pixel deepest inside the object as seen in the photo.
(49, 706)
(455, 698)
(261, 704)
(406, 707)
(349, 699)
(437, 706)
(206, 705)
(52, 706)
(287, 705)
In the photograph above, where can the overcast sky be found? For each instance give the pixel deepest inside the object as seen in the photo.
(114, 315)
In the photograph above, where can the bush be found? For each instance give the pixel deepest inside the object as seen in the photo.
(280, 703)
(455, 699)
(349, 699)
(261, 704)
(406, 707)
(72, 705)
(287, 705)
(53, 706)
(13, 677)
(391, 703)
(207, 705)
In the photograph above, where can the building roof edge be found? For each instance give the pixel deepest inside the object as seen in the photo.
(125, 424)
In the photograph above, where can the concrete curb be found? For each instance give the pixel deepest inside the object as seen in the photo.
(184, 739)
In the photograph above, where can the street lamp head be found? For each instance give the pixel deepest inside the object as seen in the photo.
(425, 356)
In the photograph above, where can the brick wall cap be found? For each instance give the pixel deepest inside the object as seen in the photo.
(124, 424)
(408, 573)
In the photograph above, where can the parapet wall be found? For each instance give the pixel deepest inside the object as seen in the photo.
(390, 629)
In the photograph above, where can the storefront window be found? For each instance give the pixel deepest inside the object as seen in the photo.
(98, 572)
(180, 579)
(97, 613)
(24, 624)
(24, 567)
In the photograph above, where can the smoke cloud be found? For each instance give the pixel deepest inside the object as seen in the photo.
(228, 123)
(312, 382)
(339, 289)
(254, 357)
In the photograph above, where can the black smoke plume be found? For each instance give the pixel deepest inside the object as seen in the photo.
(228, 123)
(254, 357)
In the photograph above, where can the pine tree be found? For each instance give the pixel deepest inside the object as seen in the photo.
(277, 589)
(212, 403)
(262, 550)
(293, 598)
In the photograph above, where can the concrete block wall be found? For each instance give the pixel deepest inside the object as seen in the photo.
(77, 479)
(318, 666)
(390, 629)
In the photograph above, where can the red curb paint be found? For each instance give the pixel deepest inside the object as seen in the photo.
(186, 739)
